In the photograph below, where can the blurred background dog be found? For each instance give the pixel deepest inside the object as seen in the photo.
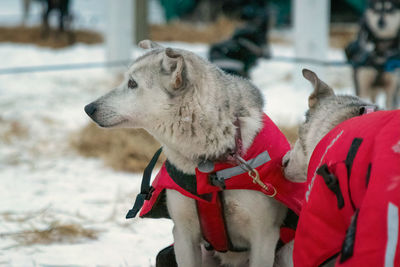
(62, 7)
(239, 53)
(375, 53)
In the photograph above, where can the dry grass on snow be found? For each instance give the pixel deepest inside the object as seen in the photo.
(340, 34)
(11, 130)
(32, 35)
(190, 33)
(54, 232)
(121, 149)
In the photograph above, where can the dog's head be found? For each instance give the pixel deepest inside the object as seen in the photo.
(326, 110)
(383, 17)
(153, 83)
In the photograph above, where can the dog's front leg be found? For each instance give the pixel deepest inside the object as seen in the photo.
(284, 256)
(186, 229)
(262, 253)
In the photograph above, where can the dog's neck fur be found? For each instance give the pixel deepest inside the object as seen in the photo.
(203, 119)
(327, 115)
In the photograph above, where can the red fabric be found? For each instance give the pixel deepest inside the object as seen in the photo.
(213, 224)
(272, 140)
(269, 139)
(322, 226)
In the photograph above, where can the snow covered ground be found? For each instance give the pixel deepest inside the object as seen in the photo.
(44, 183)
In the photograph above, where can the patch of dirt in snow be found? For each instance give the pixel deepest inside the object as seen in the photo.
(32, 35)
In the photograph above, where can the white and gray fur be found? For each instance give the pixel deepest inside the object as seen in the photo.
(326, 111)
(190, 107)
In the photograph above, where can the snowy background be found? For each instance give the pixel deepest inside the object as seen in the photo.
(43, 182)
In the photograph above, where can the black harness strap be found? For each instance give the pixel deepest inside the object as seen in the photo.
(145, 189)
(349, 240)
(333, 184)
(355, 145)
(368, 175)
(186, 181)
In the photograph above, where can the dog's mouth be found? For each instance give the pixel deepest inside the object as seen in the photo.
(112, 125)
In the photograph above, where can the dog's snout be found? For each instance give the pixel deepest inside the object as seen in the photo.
(381, 23)
(90, 109)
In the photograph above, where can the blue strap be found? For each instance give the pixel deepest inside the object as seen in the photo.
(392, 65)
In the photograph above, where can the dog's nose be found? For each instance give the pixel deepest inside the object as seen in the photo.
(381, 23)
(90, 109)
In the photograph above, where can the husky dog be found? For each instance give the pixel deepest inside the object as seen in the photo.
(378, 42)
(190, 106)
(348, 153)
(326, 110)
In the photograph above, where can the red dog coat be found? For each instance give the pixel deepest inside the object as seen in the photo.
(353, 195)
(264, 155)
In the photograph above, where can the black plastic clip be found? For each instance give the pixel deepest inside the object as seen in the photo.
(217, 181)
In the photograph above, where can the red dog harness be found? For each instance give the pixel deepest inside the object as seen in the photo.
(264, 157)
(353, 198)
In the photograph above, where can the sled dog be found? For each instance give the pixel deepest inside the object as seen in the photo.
(375, 55)
(348, 151)
(193, 109)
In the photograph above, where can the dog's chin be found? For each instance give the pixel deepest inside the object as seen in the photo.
(118, 124)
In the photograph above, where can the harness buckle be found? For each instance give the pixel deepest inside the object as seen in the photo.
(217, 181)
(140, 198)
(253, 173)
(256, 179)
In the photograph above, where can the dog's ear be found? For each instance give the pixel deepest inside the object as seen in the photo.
(148, 44)
(321, 89)
(174, 64)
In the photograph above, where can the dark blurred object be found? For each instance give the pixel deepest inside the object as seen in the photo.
(64, 17)
(209, 10)
(345, 11)
(248, 43)
(177, 8)
(166, 257)
(245, 9)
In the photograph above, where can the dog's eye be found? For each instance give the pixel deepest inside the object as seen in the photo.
(388, 6)
(378, 6)
(285, 163)
(132, 84)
